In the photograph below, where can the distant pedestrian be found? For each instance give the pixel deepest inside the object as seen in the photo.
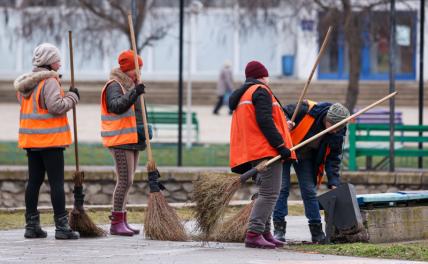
(44, 133)
(122, 131)
(224, 87)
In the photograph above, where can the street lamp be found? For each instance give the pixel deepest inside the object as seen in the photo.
(194, 9)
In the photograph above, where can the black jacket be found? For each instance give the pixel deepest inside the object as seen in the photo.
(334, 141)
(118, 103)
(262, 102)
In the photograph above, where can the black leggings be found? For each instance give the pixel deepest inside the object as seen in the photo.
(40, 162)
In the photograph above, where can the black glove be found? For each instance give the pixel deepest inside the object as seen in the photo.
(140, 88)
(284, 152)
(154, 184)
(75, 90)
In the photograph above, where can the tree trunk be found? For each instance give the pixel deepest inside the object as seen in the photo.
(354, 42)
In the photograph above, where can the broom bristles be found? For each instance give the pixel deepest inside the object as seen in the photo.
(81, 222)
(212, 195)
(161, 221)
(235, 228)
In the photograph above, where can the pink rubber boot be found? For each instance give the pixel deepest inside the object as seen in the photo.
(118, 226)
(136, 231)
(269, 238)
(254, 240)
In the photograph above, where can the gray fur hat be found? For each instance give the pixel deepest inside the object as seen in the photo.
(336, 113)
(45, 54)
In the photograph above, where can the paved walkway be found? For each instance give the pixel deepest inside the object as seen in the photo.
(213, 128)
(112, 249)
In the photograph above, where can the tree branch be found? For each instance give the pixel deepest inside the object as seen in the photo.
(99, 13)
(321, 5)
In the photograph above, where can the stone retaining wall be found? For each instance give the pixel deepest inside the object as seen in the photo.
(384, 225)
(100, 182)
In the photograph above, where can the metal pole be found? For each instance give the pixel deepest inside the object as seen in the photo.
(392, 49)
(189, 85)
(421, 77)
(180, 86)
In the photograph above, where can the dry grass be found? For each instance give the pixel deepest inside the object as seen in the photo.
(161, 222)
(212, 194)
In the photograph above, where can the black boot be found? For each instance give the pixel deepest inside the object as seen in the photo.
(32, 227)
(279, 228)
(62, 228)
(318, 235)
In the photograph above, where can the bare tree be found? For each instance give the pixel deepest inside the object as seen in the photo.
(93, 20)
(347, 15)
(350, 14)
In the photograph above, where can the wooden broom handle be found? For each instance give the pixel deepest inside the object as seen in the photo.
(76, 149)
(305, 88)
(137, 72)
(344, 121)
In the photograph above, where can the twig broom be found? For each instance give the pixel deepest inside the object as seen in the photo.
(161, 222)
(79, 220)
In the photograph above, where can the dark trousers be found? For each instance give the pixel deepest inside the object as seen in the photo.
(50, 161)
(219, 104)
(305, 175)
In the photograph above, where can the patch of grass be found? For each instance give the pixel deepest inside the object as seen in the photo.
(96, 154)
(405, 251)
(165, 155)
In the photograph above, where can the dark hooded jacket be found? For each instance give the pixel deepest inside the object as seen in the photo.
(262, 102)
(317, 153)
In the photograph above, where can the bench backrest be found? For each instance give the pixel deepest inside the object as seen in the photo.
(169, 117)
(363, 132)
(379, 116)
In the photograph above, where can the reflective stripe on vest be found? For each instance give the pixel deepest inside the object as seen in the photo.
(118, 132)
(44, 131)
(117, 117)
(37, 127)
(117, 129)
(247, 142)
(300, 131)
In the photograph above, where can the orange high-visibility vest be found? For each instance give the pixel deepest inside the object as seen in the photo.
(37, 127)
(299, 133)
(247, 142)
(117, 129)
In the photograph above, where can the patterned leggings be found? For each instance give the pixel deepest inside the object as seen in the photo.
(126, 162)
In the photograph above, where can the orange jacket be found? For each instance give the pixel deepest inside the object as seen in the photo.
(37, 127)
(117, 129)
(247, 142)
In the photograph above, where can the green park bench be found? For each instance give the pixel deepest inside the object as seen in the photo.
(168, 119)
(371, 140)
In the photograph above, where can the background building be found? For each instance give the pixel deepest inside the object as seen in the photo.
(220, 34)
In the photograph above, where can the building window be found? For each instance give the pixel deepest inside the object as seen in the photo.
(375, 48)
